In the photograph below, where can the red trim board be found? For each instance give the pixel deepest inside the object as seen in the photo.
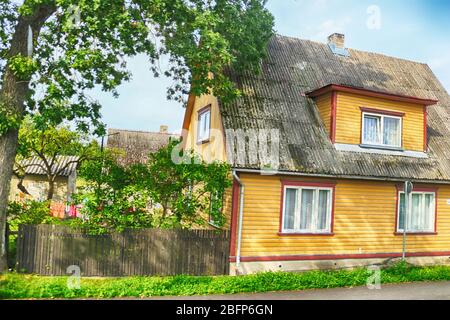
(340, 256)
(382, 112)
(371, 93)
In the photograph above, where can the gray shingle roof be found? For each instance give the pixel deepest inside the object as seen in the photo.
(275, 99)
(137, 144)
(34, 165)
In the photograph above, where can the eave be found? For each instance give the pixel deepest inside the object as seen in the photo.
(370, 93)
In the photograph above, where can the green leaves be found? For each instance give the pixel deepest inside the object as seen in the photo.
(8, 120)
(85, 44)
(159, 193)
(48, 142)
(23, 67)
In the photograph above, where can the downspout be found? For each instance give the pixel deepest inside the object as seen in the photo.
(241, 209)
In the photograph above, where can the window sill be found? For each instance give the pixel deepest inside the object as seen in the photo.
(203, 142)
(416, 233)
(300, 234)
(378, 147)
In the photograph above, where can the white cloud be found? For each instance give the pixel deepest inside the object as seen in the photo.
(328, 27)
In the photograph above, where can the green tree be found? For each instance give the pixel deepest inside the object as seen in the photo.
(49, 145)
(53, 51)
(109, 197)
(116, 197)
(184, 190)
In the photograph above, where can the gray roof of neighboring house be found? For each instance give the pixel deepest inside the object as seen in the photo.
(64, 166)
(137, 144)
(276, 99)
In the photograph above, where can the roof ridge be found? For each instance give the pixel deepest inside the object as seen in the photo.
(353, 49)
(143, 131)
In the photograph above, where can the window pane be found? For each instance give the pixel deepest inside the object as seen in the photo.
(413, 221)
(206, 128)
(204, 125)
(429, 213)
(322, 223)
(421, 218)
(289, 209)
(371, 133)
(401, 218)
(306, 211)
(392, 132)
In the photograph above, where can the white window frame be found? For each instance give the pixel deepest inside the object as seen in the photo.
(381, 133)
(433, 213)
(203, 135)
(297, 214)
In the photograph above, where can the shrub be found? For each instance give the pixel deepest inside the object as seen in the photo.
(32, 286)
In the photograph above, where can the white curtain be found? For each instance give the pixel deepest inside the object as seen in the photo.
(289, 209)
(322, 222)
(391, 134)
(306, 211)
(429, 208)
(203, 126)
(413, 220)
(371, 130)
(422, 211)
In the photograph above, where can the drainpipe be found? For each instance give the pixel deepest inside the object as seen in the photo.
(241, 209)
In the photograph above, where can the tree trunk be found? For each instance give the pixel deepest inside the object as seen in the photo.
(51, 189)
(12, 97)
(8, 145)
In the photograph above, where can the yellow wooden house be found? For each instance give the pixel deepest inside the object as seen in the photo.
(321, 143)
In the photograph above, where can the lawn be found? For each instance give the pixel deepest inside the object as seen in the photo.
(32, 286)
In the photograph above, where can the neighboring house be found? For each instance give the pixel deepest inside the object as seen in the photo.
(346, 129)
(136, 145)
(35, 183)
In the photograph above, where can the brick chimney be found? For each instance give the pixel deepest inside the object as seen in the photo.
(163, 129)
(337, 39)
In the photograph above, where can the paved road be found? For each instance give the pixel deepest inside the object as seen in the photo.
(409, 291)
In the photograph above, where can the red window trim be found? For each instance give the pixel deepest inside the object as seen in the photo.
(333, 117)
(296, 183)
(383, 112)
(199, 113)
(419, 188)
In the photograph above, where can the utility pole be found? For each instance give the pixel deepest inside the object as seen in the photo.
(408, 188)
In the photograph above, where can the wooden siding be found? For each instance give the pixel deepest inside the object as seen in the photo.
(215, 148)
(349, 119)
(364, 221)
(324, 105)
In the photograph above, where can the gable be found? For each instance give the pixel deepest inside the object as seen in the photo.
(214, 147)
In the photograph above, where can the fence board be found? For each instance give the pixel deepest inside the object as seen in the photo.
(50, 250)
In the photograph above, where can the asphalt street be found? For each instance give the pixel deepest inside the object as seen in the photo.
(407, 291)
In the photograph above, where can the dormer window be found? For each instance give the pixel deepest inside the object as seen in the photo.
(381, 130)
(204, 125)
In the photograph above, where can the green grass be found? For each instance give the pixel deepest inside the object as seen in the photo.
(31, 286)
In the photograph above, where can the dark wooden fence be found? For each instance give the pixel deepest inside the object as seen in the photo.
(50, 250)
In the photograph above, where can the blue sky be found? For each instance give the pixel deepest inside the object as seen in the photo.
(410, 29)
